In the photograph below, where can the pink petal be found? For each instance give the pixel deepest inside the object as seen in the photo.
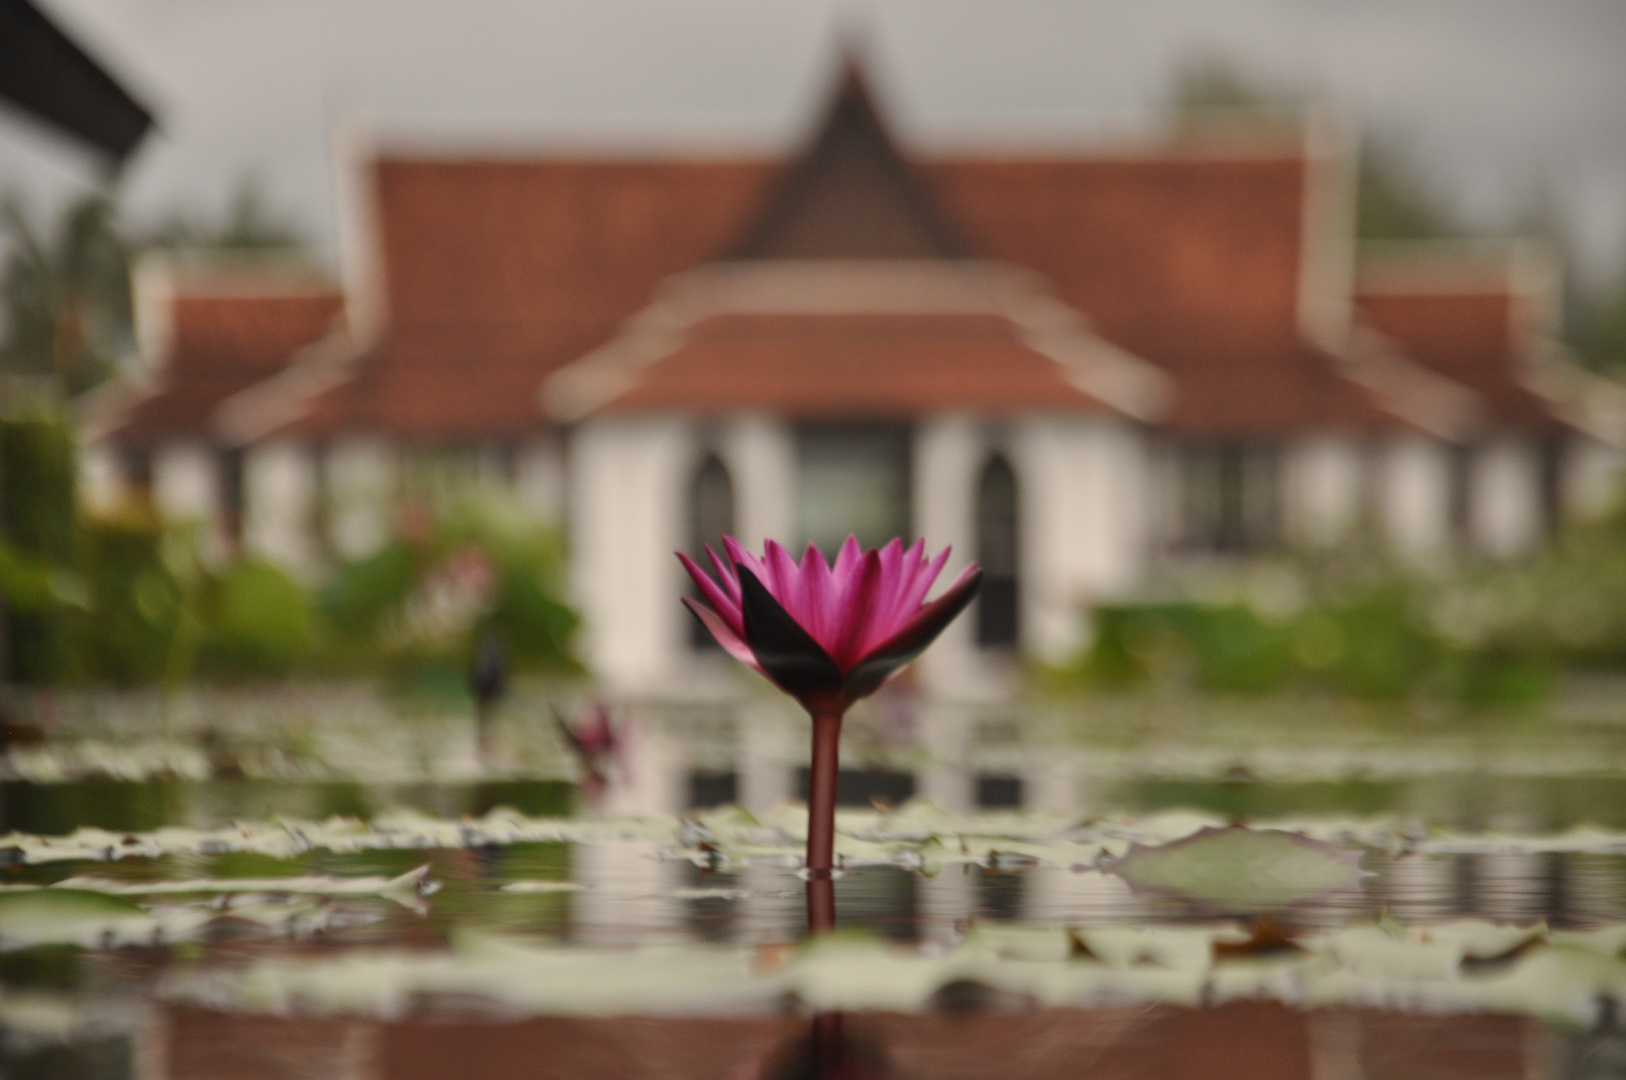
(929, 613)
(819, 597)
(719, 600)
(852, 622)
(741, 557)
(782, 581)
(896, 574)
(916, 593)
(732, 643)
(847, 560)
(726, 575)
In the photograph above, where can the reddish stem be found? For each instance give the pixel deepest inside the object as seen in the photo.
(821, 822)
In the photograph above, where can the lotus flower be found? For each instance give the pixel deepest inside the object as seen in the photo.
(827, 635)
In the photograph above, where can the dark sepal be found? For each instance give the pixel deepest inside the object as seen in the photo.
(867, 676)
(787, 653)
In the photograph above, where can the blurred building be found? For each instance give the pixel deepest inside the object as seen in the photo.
(1082, 369)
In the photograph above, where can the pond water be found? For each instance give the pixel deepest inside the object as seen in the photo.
(258, 928)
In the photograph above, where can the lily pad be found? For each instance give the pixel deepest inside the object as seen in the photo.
(70, 916)
(1240, 869)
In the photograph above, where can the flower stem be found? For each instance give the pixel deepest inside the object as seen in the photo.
(821, 822)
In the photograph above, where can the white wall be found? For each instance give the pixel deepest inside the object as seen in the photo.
(185, 483)
(539, 478)
(279, 502)
(627, 490)
(760, 455)
(949, 453)
(362, 477)
(102, 483)
(1504, 501)
(1414, 494)
(1593, 474)
(1321, 490)
(1083, 522)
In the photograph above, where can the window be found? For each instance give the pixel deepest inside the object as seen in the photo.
(854, 481)
(1460, 493)
(1229, 497)
(711, 517)
(232, 502)
(999, 606)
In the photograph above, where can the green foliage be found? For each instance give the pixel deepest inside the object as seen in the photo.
(66, 296)
(1372, 636)
(37, 521)
(249, 227)
(416, 607)
(37, 471)
(135, 601)
(258, 621)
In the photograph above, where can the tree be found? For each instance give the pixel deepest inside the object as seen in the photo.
(250, 227)
(66, 296)
(1392, 200)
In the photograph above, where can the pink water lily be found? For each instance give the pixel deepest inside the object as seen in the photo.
(827, 636)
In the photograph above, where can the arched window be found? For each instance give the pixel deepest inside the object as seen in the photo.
(711, 517)
(998, 610)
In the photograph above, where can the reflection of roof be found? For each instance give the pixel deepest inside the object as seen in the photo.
(218, 344)
(871, 340)
(1468, 335)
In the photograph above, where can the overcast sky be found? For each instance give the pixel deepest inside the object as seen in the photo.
(1494, 98)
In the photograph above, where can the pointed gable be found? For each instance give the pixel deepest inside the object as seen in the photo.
(850, 196)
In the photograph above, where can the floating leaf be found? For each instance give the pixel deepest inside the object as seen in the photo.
(1240, 869)
(70, 915)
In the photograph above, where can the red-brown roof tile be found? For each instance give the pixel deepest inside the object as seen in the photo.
(218, 344)
(1469, 336)
(496, 272)
(1188, 259)
(855, 366)
(1134, 242)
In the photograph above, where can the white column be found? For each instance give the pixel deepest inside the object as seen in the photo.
(628, 480)
(185, 483)
(1505, 499)
(944, 779)
(760, 455)
(948, 456)
(766, 775)
(539, 478)
(362, 480)
(1323, 490)
(102, 485)
(1593, 474)
(1416, 496)
(279, 495)
(1083, 522)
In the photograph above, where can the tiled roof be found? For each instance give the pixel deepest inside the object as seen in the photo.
(1211, 241)
(498, 271)
(871, 340)
(1243, 387)
(1183, 256)
(1470, 336)
(863, 366)
(218, 343)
